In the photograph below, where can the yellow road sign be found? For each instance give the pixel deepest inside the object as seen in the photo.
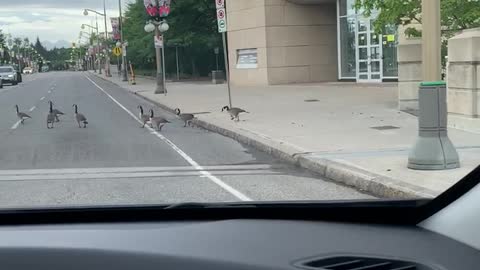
(117, 51)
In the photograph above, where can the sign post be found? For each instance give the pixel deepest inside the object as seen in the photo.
(222, 28)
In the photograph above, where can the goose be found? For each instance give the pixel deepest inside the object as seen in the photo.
(22, 115)
(56, 112)
(81, 119)
(143, 117)
(234, 112)
(157, 122)
(186, 117)
(50, 117)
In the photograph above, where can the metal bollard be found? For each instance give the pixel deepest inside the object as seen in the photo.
(433, 149)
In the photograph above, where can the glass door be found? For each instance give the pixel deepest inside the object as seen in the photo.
(369, 52)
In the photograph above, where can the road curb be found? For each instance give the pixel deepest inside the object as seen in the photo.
(334, 170)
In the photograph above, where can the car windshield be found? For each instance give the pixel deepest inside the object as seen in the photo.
(6, 69)
(141, 102)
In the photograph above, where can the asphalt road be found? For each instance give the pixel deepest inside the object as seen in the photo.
(114, 161)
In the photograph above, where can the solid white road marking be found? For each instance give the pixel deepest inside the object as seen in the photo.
(15, 126)
(79, 171)
(49, 91)
(32, 108)
(132, 172)
(42, 98)
(192, 162)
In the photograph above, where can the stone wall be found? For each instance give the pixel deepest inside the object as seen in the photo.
(464, 80)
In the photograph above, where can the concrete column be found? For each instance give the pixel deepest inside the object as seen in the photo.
(431, 53)
(409, 73)
(464, 80)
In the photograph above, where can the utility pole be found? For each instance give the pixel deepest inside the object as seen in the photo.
(178, 67)
(107, 53)
(98, 47)
(124, 47)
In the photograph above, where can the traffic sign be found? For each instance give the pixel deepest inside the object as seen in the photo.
(220, 13)
(220, 3)
(222, 19)
(158, 41)
(117, 51)
(222, 26)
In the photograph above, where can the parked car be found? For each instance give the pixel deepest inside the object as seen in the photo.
(8, 75)
(28, 70)
(1, 83)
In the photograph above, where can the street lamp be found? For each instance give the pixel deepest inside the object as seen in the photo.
(98, 41)
(122, 42)
(149, 27)
(159, 28)
(104, 15)
(158, 11)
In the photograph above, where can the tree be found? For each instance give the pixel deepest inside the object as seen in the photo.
(193, 28)
(3, 49)
(26, 42)
(39, 47)
(140, 43)
(456, 15)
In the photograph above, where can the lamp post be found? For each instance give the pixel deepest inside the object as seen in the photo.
(104, 15)
(122, 43)
(159, 27)
(98, 41)
(158, 10)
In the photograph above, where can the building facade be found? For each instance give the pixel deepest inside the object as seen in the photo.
(301, 41)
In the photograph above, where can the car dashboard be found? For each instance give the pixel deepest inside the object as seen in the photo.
(232, 244)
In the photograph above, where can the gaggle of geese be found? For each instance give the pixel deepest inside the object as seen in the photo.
(53, 116)
(157, 122)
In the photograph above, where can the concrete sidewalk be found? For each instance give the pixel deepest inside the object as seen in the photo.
(350, 133)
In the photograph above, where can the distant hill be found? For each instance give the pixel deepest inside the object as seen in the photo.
(58, 44)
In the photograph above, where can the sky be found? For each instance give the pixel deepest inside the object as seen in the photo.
(52, 20)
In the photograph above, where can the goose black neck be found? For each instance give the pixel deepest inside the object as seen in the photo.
(51, 107)
(76, 108)
(141, 109)
(151, 113)
(16, 108)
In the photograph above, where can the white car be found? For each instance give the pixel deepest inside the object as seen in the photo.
(27, 70)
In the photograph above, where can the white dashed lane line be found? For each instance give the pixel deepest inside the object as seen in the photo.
(15, 126)
(42, 98)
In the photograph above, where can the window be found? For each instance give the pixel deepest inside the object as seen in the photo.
(247, 58)
(347, 47)
(6, 69)
(390, 43)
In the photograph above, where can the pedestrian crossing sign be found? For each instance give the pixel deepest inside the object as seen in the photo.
(117, 51)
